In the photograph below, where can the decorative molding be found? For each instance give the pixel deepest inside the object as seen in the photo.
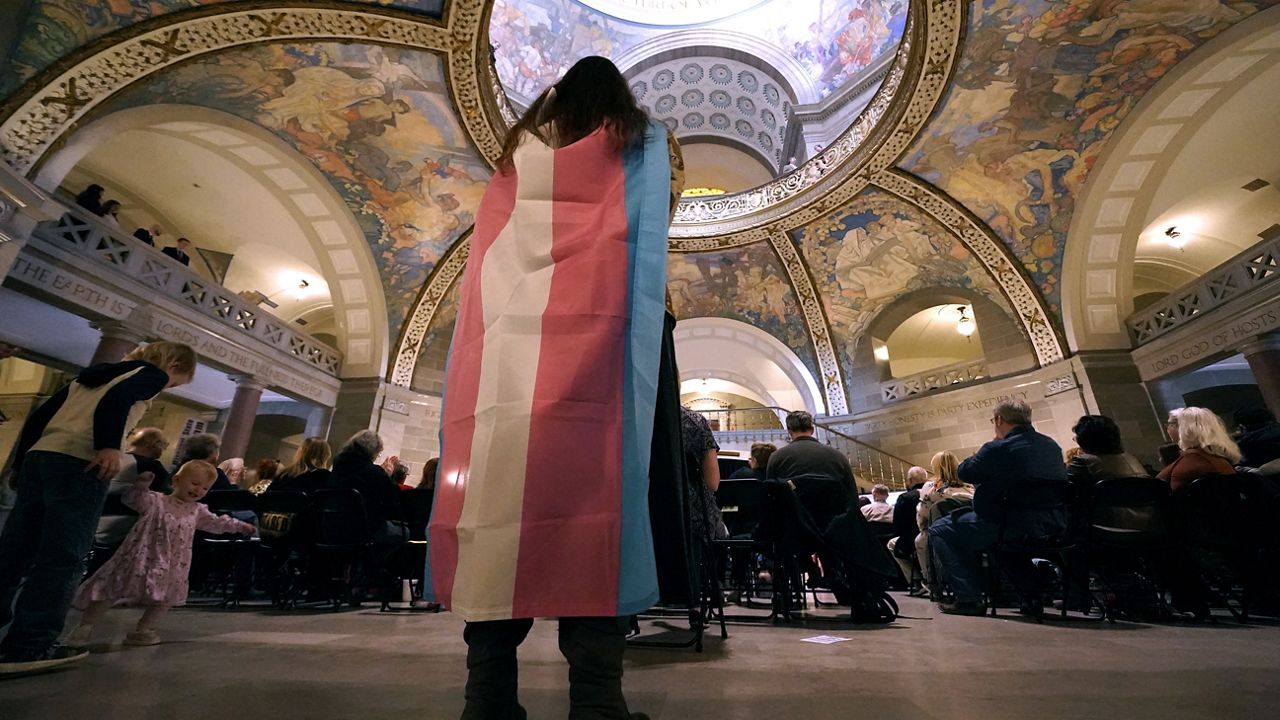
(994, 255)
(1252, 269)
(442, 278)
(64, 98)
(815, 318)
(1060, 384)
(941, 378)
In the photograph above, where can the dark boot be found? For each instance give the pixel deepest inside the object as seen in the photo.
(594, 647)
(492, 678)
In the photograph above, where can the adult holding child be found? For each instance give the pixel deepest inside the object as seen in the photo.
(66, 456)
(541, 506)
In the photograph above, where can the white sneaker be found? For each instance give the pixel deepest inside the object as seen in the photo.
(142, 638)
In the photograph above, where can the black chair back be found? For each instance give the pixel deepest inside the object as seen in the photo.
(341, 518)
(1214, 512)
(730, 465)
(1129, 509)
(824, 497)
(741, 504)
(282, 516)
(225, 502)
(998, 501)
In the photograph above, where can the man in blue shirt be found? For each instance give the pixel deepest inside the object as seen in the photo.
(1018, 460)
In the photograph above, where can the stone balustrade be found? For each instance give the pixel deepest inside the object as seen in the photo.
(931, 380)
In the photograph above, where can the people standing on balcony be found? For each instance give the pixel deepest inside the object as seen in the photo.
(179, 251)
(91, 198)
(68, 451)
(148, 235)
(109, 211)
(1207, 449)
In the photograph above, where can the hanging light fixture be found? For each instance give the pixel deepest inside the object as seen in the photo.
(1175, 238)
(965, 325)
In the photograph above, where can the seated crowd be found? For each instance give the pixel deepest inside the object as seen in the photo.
(1021, 505)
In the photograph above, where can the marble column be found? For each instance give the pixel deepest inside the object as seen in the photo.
(1263, 356)
(116, 342)
(240, 416)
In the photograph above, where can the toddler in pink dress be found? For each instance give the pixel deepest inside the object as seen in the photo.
(150, 568)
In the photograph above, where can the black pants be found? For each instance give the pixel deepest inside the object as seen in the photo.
(592, 645)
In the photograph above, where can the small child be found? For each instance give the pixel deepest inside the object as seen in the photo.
(151, 567)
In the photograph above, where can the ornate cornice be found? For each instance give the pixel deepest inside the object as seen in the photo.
(815, 318)
(65, 94)
(446, 272)
(988, 249)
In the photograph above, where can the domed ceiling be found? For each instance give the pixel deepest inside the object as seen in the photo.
(956, 136)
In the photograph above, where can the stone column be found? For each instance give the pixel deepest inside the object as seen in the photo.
(116, 342)
(358, 408)
(22, 204)
(318, 422)
(1263, 356)
(244, 408)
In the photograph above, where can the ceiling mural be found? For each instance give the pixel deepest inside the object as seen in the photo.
(746, 284)
(875, 250)
(376, 121)
(54, 28)
(535, 41)
(1040, 86)
(435, 343)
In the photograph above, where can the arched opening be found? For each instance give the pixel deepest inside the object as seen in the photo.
(744, 361)
(1184, 184)
(932, 338)
(262, 219)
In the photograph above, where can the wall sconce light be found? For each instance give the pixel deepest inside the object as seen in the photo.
(965, 325)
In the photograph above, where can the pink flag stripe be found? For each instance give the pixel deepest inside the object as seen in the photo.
(578, 395)
(458, 422)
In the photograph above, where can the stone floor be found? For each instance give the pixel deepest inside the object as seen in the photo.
(224, 665)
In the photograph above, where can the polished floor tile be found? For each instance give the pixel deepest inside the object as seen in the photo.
(363, 665)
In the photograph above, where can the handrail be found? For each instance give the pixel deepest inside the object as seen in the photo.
(868, 461)
(89, 237)
(1251, 269)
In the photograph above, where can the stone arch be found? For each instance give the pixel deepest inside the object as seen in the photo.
(748, 356)
(345, 259)
(1005, 346)
(1099, 258)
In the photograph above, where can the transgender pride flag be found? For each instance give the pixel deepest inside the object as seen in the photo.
(541, 505)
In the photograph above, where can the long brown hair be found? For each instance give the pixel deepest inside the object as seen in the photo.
(591, 95)
(313, 453)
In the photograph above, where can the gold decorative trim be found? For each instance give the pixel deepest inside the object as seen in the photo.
(815, 318)
(994, 255)
(40, 122)
(911, 91)
(442, 278)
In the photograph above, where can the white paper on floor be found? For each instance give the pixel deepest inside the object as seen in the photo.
(825, 639)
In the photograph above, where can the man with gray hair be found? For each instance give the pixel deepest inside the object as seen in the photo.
(205, 447)
(879, 510)
(1019, 460)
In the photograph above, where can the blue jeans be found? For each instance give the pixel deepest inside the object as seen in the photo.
(45, 540)
(957, 542)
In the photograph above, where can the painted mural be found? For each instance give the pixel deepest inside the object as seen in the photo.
(875, 250)
(746, 284)
(55, 28)
(1040, 86)
(376, 121)
(535, 41)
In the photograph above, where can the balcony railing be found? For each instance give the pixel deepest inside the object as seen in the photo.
(870, 464)
(1244, 273)
(156, 272)
(937, 379)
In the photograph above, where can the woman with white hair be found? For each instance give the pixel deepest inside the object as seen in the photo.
(1207, 449)
(355, 466)
(234, 470)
